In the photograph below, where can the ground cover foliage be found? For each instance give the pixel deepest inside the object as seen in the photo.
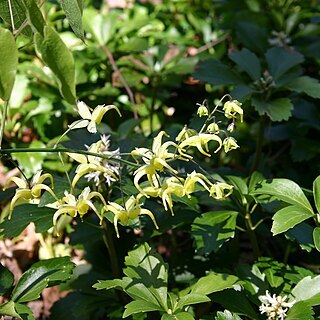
(159, 159)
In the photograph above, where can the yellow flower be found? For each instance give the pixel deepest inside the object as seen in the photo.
(200, 140)
(72, 206)
(220, 190)
(232, 109)
(185, 133)
(131, 210)
(89, 164)
(155, 160)
(230, 143)
(30, 192)
(202, 110)
(192, 179)
(213, 128)
(91, 119)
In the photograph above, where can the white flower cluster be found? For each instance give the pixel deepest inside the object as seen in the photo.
(111, 166)
(274, 306)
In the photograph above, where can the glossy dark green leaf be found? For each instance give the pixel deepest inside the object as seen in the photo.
(308, 289)
(213, 229)
(303, 234)
(60, 60)
(73, 10)
(24, 311)
(300, 311)
(226, 315)
(316, 237)
(289, 217)
(23, 215)
(178, 316)
(316, 193)
(214, 282)
(190, 299)
(308, 85)
(40, 275)
(217, 73)
(248, 62)
(9, 63)
(34, 16)
(6, 279)
(138, 306)
(285, 190)
(280, 60)
(277, 110)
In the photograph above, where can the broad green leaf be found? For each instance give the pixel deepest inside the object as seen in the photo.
(255, 178)
(277, 110)
(308, 85)
(316, 193)
(288, 217)
(34, 16)
(178, 316)
(9, 63)
(134, 45)
(214, 282)
(8, 309)
(217, 73)
(248, 62)
(40, 275)
(23, 215)
(316, 237)
(285, 190)
(6, 279)
(308, 289)
(213, 229)
(138, 306)
(59, 59)
(303, 234)
(226, 315)
(73, 10)
(109, 284)
(280, 60)
(300, 311)
(191, 298)
(242, 92)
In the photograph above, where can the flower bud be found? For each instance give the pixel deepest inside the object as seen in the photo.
(213, 128)
(230, 143)
(231, 127)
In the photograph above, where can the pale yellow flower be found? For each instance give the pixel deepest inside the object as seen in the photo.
(131, 210)
(230, 143)
(27, 193)
(232, 109)
(220, 190)
(73, 206)
(202, 110)
(91, 119)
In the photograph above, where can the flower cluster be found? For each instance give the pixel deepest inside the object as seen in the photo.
(155, 177)
(274, 306)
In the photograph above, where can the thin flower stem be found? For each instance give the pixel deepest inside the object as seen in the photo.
(11, 16)
(3, 121)
(66, 150)
(116, 69)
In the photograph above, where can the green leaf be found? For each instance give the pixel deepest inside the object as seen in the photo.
(277, 110)
(134, 45)
(226, 315)
(34, 16)
(308, 289)
(316, 237)
(189, 299)
(303, 234)
(280, 60)
(214, 282)
(217, 73)
(300, 311)
(316, 193)
(178, 316)
(9, 63)
(288, 217)
(6, 279)
(248, 62)
(24, 311)
(213, 229)
(59, 59)
(40, 275)
(285, 190)
(8, 309)
(308, 85)
(73, 10)
(23, 215)
(137, 306)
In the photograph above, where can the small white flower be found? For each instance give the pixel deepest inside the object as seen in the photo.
(109, 165)
(274, 306)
